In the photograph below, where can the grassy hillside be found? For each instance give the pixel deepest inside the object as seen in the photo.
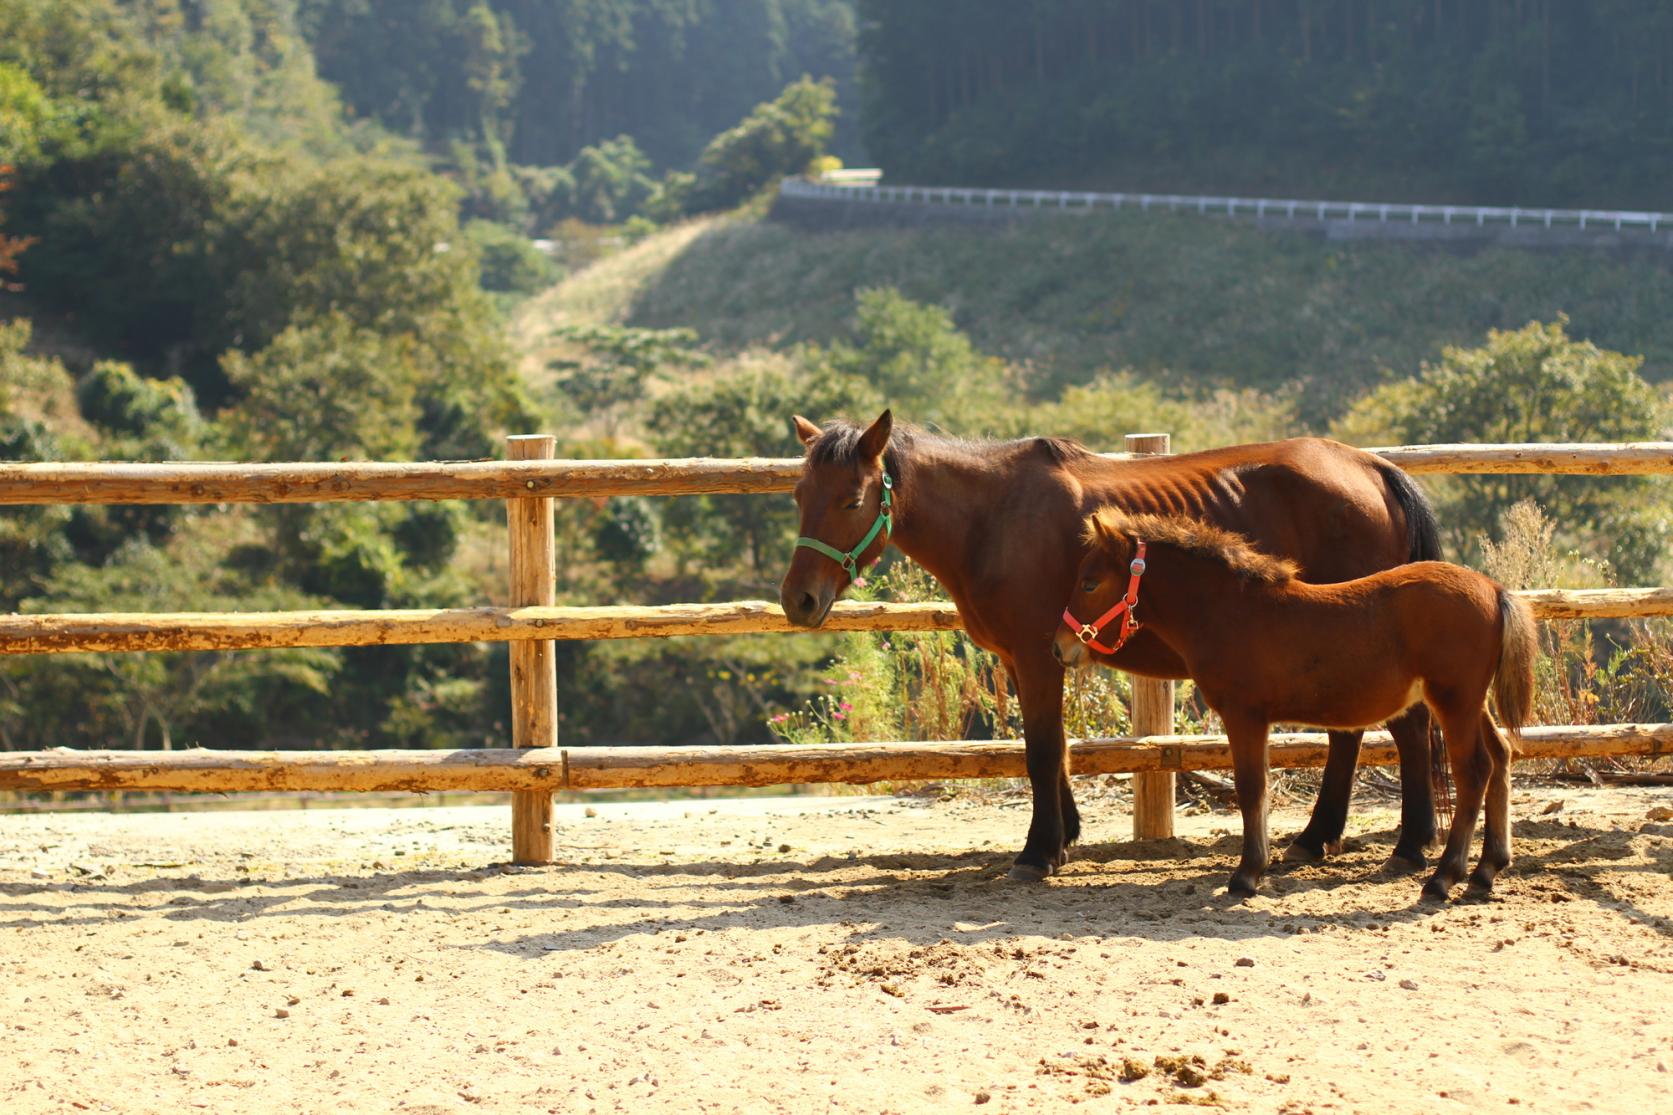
(1188, 301)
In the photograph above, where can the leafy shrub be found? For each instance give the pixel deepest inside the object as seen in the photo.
(507, 261)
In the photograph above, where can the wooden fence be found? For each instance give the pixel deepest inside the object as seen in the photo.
(535, 766)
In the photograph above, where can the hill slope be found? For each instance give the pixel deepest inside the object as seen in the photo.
(1184, 299)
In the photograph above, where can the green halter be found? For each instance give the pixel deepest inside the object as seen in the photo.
(850, 561)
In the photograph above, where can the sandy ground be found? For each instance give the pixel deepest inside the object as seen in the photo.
(805, 954)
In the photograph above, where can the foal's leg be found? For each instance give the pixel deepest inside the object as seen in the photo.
(1249, 759)
(1040, 690)
(1495, 844)
(1472, 765)
(1323, 833)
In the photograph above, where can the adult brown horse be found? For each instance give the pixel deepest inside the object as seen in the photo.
(1264, 646)
(999, 525)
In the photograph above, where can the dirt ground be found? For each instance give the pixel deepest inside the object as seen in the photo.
(820, 954)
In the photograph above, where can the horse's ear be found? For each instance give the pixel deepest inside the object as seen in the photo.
(805, 431)
(876, 437)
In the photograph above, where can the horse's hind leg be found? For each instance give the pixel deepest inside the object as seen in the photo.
(1330, 811)
(1495, 842)
(1472, 765)
(1249, 769)
(1417, 789)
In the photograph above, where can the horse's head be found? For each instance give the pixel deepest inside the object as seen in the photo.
(1095, 618)
(846, 503)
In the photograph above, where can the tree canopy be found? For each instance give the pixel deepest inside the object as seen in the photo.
(1513, 102)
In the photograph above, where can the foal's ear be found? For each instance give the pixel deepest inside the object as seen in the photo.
(1103, 535)
(804, 430)
(876, 437)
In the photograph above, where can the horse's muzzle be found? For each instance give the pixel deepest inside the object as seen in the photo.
(805, 608)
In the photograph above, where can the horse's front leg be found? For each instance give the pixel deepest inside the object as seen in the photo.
(1040, 691)
(1248, 739)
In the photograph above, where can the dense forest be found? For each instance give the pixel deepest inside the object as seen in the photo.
(1513, 102)
(541, 79)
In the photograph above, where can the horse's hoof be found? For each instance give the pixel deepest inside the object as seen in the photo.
(1028, 873)
(1298, 852)
(1240, 888)
(1402, 863)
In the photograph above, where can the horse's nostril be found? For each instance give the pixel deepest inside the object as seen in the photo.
(808, 605)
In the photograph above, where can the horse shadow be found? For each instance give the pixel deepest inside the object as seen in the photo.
(1164, 891)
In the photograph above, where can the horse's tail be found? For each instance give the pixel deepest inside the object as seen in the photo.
(1423, 530)
(1513, 682)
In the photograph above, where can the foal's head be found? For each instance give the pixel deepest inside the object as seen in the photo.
(844, 515)
(1112, 537)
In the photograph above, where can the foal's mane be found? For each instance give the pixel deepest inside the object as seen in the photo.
(1232, 550)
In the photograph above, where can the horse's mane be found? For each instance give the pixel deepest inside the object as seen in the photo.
(1232, 550)
(839, 443)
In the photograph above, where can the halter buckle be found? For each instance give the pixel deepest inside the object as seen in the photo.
(1087, 633)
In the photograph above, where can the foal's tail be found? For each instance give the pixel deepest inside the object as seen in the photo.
(1513, 682)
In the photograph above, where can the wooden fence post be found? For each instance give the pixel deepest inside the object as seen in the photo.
(1151, 709)
(534, 676)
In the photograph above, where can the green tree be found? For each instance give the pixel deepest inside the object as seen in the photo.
(777, 138)
(611, 181)
(619, 363)
(508, 262)
(326, 391)
(918, 360)
(1529, 385)
(745, 412)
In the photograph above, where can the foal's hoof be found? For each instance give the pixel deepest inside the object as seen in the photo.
(1436, 892)
(1029, 873)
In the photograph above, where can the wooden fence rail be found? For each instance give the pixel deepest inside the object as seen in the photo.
(526, 770)
(207, 482)
(166, 631)
(538, 766)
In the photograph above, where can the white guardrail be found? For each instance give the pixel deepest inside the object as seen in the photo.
(1289, 208)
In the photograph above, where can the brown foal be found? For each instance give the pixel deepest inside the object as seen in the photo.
(1265, 647)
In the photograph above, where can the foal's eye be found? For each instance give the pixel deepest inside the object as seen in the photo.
(1089, 585)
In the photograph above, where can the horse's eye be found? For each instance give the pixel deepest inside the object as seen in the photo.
(1089, 585)
(855, 506)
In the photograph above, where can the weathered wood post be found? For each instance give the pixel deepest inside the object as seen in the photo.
(1152, 711)
(534, 675)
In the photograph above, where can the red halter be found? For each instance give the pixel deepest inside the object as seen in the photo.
(1125, 607)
